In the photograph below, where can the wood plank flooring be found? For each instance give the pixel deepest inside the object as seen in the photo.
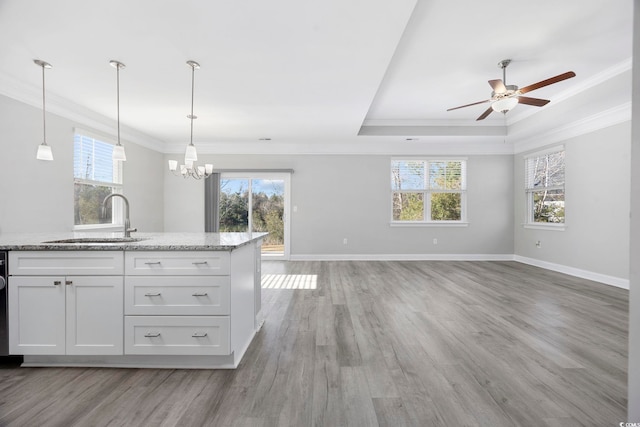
(377, 343)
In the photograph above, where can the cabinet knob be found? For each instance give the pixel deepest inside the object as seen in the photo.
(152, 334)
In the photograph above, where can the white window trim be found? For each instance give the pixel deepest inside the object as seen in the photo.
(463, 222)
(529, 223)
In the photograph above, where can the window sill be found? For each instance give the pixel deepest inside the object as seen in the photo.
(429, 224)
(552, 227)
(98, 227)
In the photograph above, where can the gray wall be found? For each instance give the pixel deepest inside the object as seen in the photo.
(347, 196)
(37, 195)
(634, 294)
(596, 237)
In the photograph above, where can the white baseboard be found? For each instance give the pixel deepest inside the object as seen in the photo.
(402, 257)
(577, 272)
(571, 271)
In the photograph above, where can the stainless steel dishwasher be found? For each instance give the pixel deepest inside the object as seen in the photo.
(5, 359)
(4, 313)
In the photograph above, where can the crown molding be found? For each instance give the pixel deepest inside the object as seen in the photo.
(601, 120)
(580, 87)
(60, 106)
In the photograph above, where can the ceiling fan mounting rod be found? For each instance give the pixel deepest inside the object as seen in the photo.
(504, 64)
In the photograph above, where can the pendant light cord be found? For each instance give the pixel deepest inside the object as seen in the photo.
(118, 98)
(44, 116)
(193, 71)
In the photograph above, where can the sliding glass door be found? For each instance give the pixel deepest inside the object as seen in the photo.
(257, 202)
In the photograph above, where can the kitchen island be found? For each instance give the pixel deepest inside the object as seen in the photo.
(172, 300)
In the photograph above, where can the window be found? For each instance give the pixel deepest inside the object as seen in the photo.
(427, 191)
(544, 187)
(95, 176)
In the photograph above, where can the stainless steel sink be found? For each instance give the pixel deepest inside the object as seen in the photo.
(104, 240)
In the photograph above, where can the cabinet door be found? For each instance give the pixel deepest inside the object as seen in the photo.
(36, 315)
(94, 315)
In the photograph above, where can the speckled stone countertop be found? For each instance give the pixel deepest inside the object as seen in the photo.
(143, 242)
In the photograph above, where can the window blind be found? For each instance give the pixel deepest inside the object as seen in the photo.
(545, 171)
(92, 160)
(428, 175)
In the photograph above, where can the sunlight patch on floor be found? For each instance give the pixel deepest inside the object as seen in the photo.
(290, 281)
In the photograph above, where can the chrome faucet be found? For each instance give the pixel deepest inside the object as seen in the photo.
(127, 222)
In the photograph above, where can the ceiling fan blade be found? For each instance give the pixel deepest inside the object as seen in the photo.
(485, 114)
(469, 105)
(497, 86)
(548, 82)
(533, 101)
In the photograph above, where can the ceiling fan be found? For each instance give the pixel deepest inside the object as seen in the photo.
(504, 97)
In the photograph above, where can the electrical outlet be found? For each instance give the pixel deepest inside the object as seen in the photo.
(435, 241)
(538, 244)
(344, 241)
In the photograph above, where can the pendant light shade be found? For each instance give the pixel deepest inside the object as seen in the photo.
(118, 153)
(44, 150)
(190, 155)
(118, 150)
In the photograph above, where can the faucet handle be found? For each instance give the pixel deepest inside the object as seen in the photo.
(131, 229)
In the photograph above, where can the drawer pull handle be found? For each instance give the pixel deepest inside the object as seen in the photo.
(197, 335)
(57, 283)
(152, 263)
(198, 294)
(68, 282)
(200, 263)
(157, 294)
(152, 334)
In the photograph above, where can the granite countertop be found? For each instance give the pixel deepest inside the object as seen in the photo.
(143, 242)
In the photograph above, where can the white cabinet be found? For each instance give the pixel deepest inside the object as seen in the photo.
(175, 295)
(37, 315)
(66, 314)
(177, 303)
(177, 335)
(163, 308)
(177, 263)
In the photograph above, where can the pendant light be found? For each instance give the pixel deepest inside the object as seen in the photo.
(190, 154)
(118, 150)
(188, 169)
(44, 150)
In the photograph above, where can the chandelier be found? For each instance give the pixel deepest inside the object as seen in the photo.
(189, 169)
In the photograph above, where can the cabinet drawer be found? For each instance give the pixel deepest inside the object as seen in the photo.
(174, 295)
(66, 263)
(196, 263)
(177, 335)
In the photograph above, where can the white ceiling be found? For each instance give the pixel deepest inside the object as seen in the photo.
(315, 72)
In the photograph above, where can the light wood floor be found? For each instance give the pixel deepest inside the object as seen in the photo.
(376, 343)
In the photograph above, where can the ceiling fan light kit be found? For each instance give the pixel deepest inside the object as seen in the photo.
(505, 97)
